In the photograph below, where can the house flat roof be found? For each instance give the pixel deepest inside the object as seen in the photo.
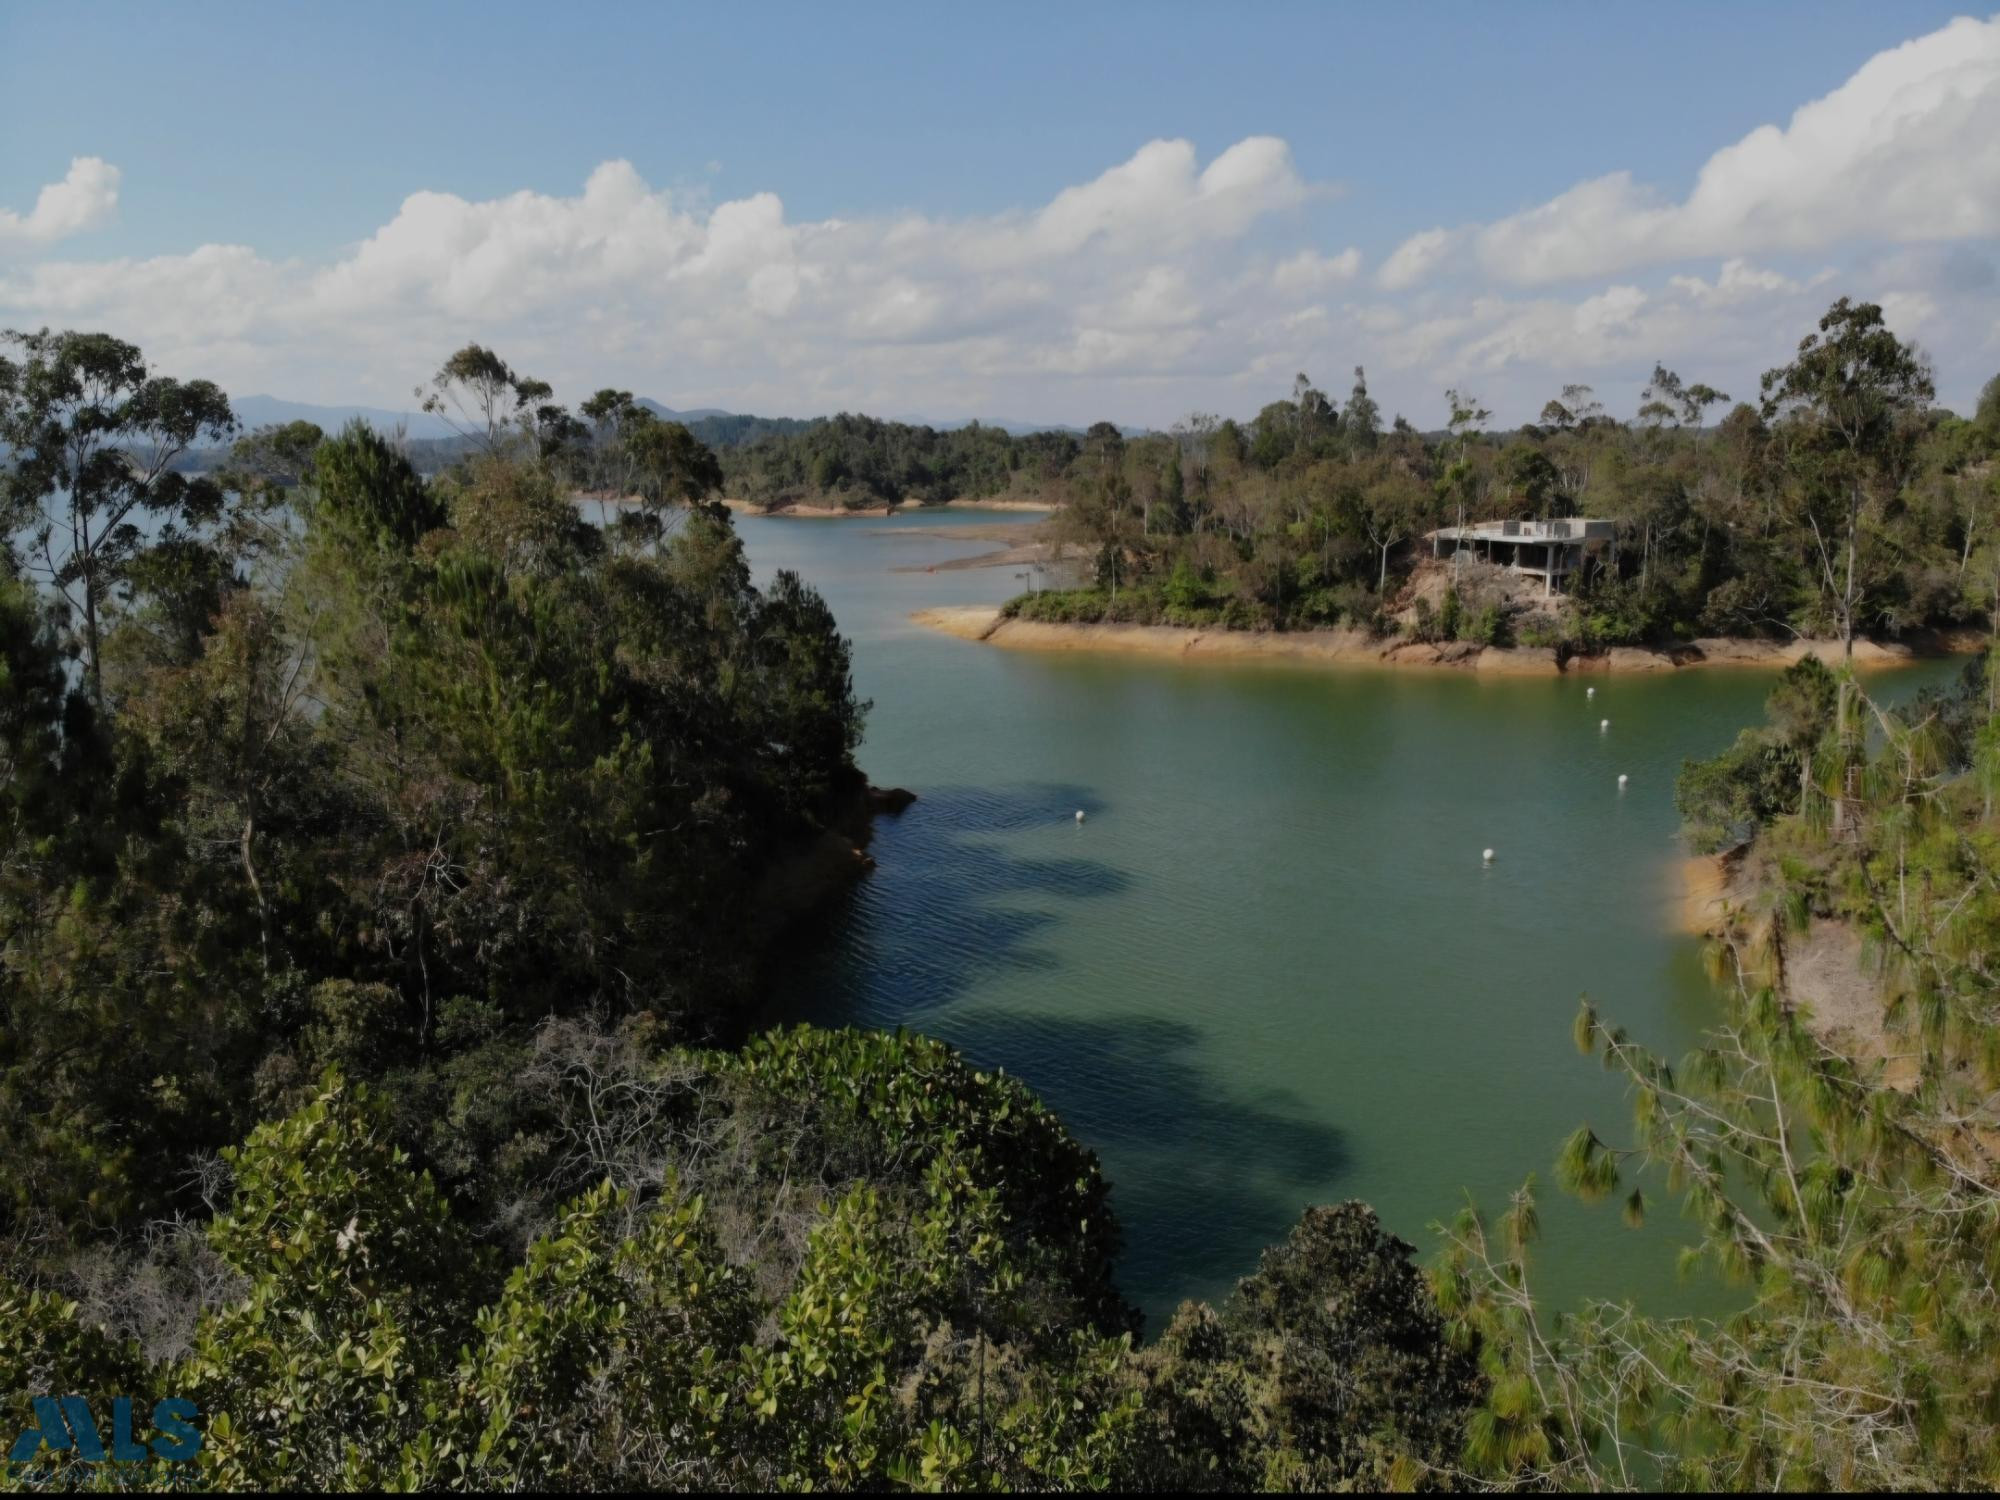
(1570, 529)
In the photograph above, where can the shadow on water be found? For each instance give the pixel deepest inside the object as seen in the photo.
(949, 905)
(963, 898)
(1209, 1178)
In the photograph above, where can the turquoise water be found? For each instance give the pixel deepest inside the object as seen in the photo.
(1270, 968)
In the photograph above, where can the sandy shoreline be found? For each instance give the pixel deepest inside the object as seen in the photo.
(1036, 554)
(878, 512)
(1706, 891)
(1357, 647)
(810, 512)
(1040, 507)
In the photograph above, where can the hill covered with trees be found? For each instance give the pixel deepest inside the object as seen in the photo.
(1840, 502)
(858, 462)
(382, 877)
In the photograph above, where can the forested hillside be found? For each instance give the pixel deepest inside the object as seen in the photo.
(1838, 501)
(380, 860)
(858, 462)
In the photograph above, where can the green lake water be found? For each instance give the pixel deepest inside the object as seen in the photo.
(1270, 968)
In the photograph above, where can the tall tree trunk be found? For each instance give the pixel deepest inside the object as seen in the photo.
(1847, 593)
(90, 632)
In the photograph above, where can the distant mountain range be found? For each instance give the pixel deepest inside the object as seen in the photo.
(715, 426)
(668, 414)
(711, 416)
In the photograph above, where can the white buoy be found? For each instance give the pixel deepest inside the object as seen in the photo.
(1079, 815)
(1622, 779)
(1603, 724)
(1590, 692)
(1487, 856)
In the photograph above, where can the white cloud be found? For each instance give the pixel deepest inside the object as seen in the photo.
(1156, 286)
(1309, 271)
(1416, 258)
(1906, 150)
(1740, 281)
(86, 198)
(627, 282)
(1157, 199)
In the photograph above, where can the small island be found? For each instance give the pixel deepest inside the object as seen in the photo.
(1579, 542)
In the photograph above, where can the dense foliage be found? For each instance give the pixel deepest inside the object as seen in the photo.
(354, 768)
(1842, 503)
(852, 1262)
(1768, 771)
(381, 859)
(857, 462)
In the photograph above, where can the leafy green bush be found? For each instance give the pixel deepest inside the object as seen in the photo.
(937, 1312)
(1726, 798)
(1617, 612)
(1450, 616)
(1422, 624)
(1358, 605)
(1185, 590)
(1540, 632)
(1486, 626)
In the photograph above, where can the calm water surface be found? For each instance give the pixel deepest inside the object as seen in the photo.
(1269, 969)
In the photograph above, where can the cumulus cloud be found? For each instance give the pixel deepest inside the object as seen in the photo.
(1161, 284)
(1309, 271)
(1414, 259)
(1908, 150)
(625, 281)
(86, 198)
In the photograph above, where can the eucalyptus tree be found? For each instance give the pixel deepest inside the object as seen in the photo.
(672, 467)
(482, 398)
(1668, 400)
(1395, 505)
(93, 437)
(1361, 417)
(1846, 407)
(1319, 418)
(1104, 444)
(280, 455)
(1195, 433)
(1456, 484)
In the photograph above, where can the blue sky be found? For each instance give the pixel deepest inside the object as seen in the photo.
(290, 135)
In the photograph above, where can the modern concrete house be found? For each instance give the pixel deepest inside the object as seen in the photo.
(1548, 550)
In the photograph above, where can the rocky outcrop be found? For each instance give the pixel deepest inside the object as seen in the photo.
(1637, 659)
(1517, 661)
(890, 800)
(807, 876)
(1827, 975)
(1737, 652)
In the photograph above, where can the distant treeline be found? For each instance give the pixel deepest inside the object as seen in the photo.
(434, 455)
(860, 462)
(734, 429)
(1840, 501)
